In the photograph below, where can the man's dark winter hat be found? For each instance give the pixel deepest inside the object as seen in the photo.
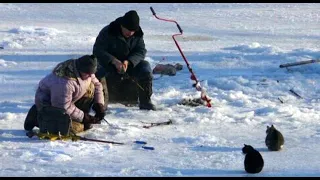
(131, 20)
(87, 64)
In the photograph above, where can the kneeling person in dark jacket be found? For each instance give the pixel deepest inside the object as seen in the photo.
(120, 50)
(64, 98)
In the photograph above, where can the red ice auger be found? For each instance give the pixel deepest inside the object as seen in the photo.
(193, 76)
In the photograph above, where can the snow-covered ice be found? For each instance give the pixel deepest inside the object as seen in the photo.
(234, 49)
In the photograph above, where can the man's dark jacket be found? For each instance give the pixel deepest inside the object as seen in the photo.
(111, 44)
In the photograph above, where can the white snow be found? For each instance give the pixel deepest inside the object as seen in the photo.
(234, 50)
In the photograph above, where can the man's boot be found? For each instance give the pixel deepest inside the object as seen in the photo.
(31, 119)
(145, 96)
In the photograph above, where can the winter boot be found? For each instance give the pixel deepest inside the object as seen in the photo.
(145, 96)
(31, 119)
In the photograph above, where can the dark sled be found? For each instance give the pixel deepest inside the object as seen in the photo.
(122, 90)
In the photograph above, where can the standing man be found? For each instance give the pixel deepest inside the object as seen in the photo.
(120, 51)
(64, 98)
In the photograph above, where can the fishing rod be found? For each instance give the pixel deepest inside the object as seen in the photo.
(125, 75)
(72, 136)
(193, 77)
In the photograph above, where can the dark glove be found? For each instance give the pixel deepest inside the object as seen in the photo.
(99, 109)
(88, 119)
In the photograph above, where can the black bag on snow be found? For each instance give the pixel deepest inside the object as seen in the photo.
(54, 121)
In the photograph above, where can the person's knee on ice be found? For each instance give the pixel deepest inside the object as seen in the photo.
(31, 120)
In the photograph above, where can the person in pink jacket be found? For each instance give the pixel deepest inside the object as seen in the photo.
(64, 98)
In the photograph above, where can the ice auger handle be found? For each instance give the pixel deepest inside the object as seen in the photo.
(152, 11)
(179, 28)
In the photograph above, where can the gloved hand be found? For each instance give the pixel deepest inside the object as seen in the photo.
(99, 109)
(88, 119)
